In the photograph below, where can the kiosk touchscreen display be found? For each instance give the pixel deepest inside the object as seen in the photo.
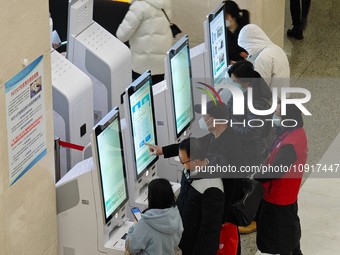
(142, 122)
(111, 165)
(218, 45)
(181, 86)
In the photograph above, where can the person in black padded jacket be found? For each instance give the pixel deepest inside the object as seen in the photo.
(200, 201)
(221, 140)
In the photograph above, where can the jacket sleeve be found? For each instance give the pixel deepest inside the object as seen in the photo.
(206, 139)
(131, 22)
(247, 131)
(170, 150)
(212, 206)
(137, 243)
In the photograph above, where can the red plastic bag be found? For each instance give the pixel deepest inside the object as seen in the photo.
(228, 240)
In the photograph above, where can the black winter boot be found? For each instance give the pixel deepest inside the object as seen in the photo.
(296, 33)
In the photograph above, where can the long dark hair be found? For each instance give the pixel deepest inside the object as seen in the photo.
(241, 16)
(160, 194)
(292, 112)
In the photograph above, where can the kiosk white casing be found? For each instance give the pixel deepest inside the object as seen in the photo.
(81, 224)
(72, 108)
(199, 57)
(105, 59)
(218, 59)
(201, 66)
(174, 97)
(168, 168)
(137, 188)
(163, 92)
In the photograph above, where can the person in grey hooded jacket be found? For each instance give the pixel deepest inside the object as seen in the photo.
(159, 231)
(269, 60)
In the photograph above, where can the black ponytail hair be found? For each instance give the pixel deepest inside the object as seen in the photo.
(243, 70)
(241, 16)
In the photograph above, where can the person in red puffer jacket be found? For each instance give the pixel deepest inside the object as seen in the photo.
(278, 224)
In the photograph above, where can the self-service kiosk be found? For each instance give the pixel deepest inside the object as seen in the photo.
(140, 128)
(92, 197)
(175, 107)
(72, 108)
(105, 59)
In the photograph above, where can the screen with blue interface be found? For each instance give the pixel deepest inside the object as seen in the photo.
(143, 128)
(218, 47)
(111, 163)
(181, 87)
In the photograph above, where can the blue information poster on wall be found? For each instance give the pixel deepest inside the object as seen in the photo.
(26, 128)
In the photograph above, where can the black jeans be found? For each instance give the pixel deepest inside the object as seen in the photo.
(297, 13)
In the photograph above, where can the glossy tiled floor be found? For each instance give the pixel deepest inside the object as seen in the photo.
(315, 65)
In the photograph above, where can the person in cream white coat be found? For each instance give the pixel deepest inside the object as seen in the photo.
(269, 60)
(148, 31)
